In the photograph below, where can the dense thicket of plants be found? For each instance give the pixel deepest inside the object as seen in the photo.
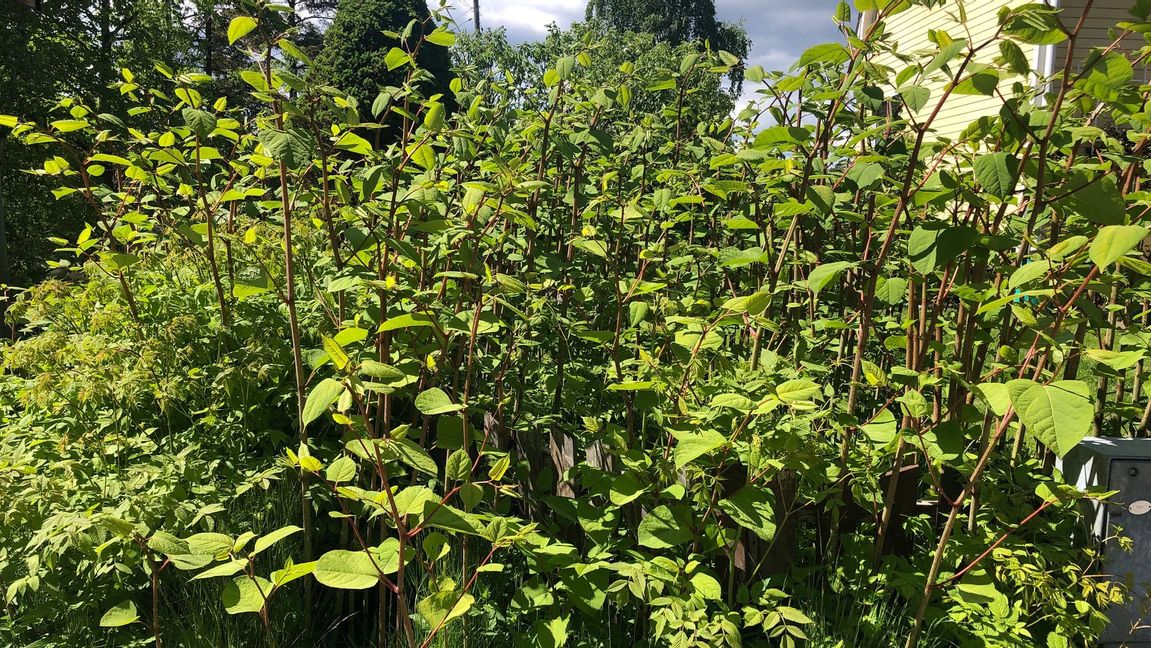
(581, 363)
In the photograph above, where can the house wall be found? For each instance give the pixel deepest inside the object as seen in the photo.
(1098, 31)
(910, 27)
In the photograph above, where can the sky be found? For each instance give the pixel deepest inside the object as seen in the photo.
(780, 30)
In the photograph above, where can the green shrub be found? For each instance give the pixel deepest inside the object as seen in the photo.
(597, 372)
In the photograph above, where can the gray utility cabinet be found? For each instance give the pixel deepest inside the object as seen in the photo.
(1122, 465)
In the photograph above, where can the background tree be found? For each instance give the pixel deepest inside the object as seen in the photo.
(675, 22)
(489, 52)
(356, 47)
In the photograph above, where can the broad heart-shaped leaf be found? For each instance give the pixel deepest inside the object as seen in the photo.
(1035, 24)
(996, 173)
(833, 53)
(892, 290)
(293, 147)
(436, 401)
(342, 569)
(662, 528)
(240, 27)
(442, 607)
(325, 393)
(1096, 198)
(751, 508)
(915, 97)
(269, 539)
(411, 454)
(1027, 273)
(934, 244)
(882, 428)
(1059, 414)
(995, 395)
(168, 544)
(1113, 242)
(199, 122)
(353, 143)
(625, 488)
(690, 446)
(245, 594)
(1117, 360)
(797, 391)
(121, 614)
(341, 470)
(824, 274)
(1106, 76)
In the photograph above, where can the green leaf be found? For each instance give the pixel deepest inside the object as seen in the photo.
(442, 607)
(336, 352)
(412, 455)
(322, 396)
(1034, 24)
(434, 117)
(121, 614)
(458, 467)
(200, 122)
(625, 488)
(1059, 414)
(424, 156)
(662, 528)
(797, 392)
(1105, 77)
(1117, 360)
(436, 401)
(830, 53)
(240, 27)
(168, 544)
(934, 244)
(293, 147)
(751, 508)
(1095, 198)
(407, 320)
(353, 143)
(216, 544)
(441, 37)
(499, 468)
(996, 395)
(565, 65)
(1027, 273)
(395, 58)
(269, 539)
(825, 273)
(342, 569)
(1113, 242)
(291, 572)
(69, 125)
(246, 594)
(882, 428)
(915, 97)
(996, 173)
(706, 586)
(691, 446)
(982, 81)
(891, 290)
(753, 304)
(229, 568)
(1015, 57)
(244, 288)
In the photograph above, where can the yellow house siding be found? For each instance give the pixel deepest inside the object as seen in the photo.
(909, 29)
